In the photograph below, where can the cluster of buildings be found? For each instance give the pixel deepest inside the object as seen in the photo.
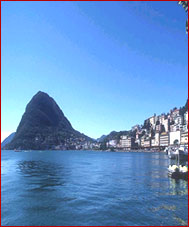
(157, 132)
(77, 143)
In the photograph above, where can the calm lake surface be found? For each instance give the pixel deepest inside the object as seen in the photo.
(90, 188)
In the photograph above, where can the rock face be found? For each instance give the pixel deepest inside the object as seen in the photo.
(44, 126)
(7, 140)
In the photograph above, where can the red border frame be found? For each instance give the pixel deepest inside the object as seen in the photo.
(0, 78)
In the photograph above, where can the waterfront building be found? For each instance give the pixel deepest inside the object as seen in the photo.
(184, 138)
(123, 137)
(142, 141)
(147, 143)
(96, 145)
(138, 142)
(123, 141)
(174, 137)
(153, 143)
(131, 142)
(111, 143)
(127, 142)
(87, 145)
(164, 139)
(156, 139)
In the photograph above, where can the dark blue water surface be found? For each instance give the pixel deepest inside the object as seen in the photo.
(90, 188)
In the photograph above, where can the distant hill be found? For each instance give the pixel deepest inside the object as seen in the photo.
(7, 140)
(113, 136)
(44, 126)
(101, 138)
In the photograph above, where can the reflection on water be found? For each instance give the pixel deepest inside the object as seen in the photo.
(165, 207)
(44, 175)
(181, 221)
(178, 187)
(175, 162)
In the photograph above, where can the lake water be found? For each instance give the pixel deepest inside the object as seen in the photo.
(90, 188)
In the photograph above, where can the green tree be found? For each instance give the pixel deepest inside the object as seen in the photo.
(183, 109)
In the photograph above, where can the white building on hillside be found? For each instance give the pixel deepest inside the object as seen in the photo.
(174, 137)
(186, 118)
(112, 143)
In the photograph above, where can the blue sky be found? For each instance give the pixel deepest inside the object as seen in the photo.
(108, 65)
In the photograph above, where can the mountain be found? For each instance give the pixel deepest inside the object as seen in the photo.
(7, 140)
(44, 126)
(101, 138)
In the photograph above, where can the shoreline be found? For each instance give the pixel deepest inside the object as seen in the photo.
(123, 151)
